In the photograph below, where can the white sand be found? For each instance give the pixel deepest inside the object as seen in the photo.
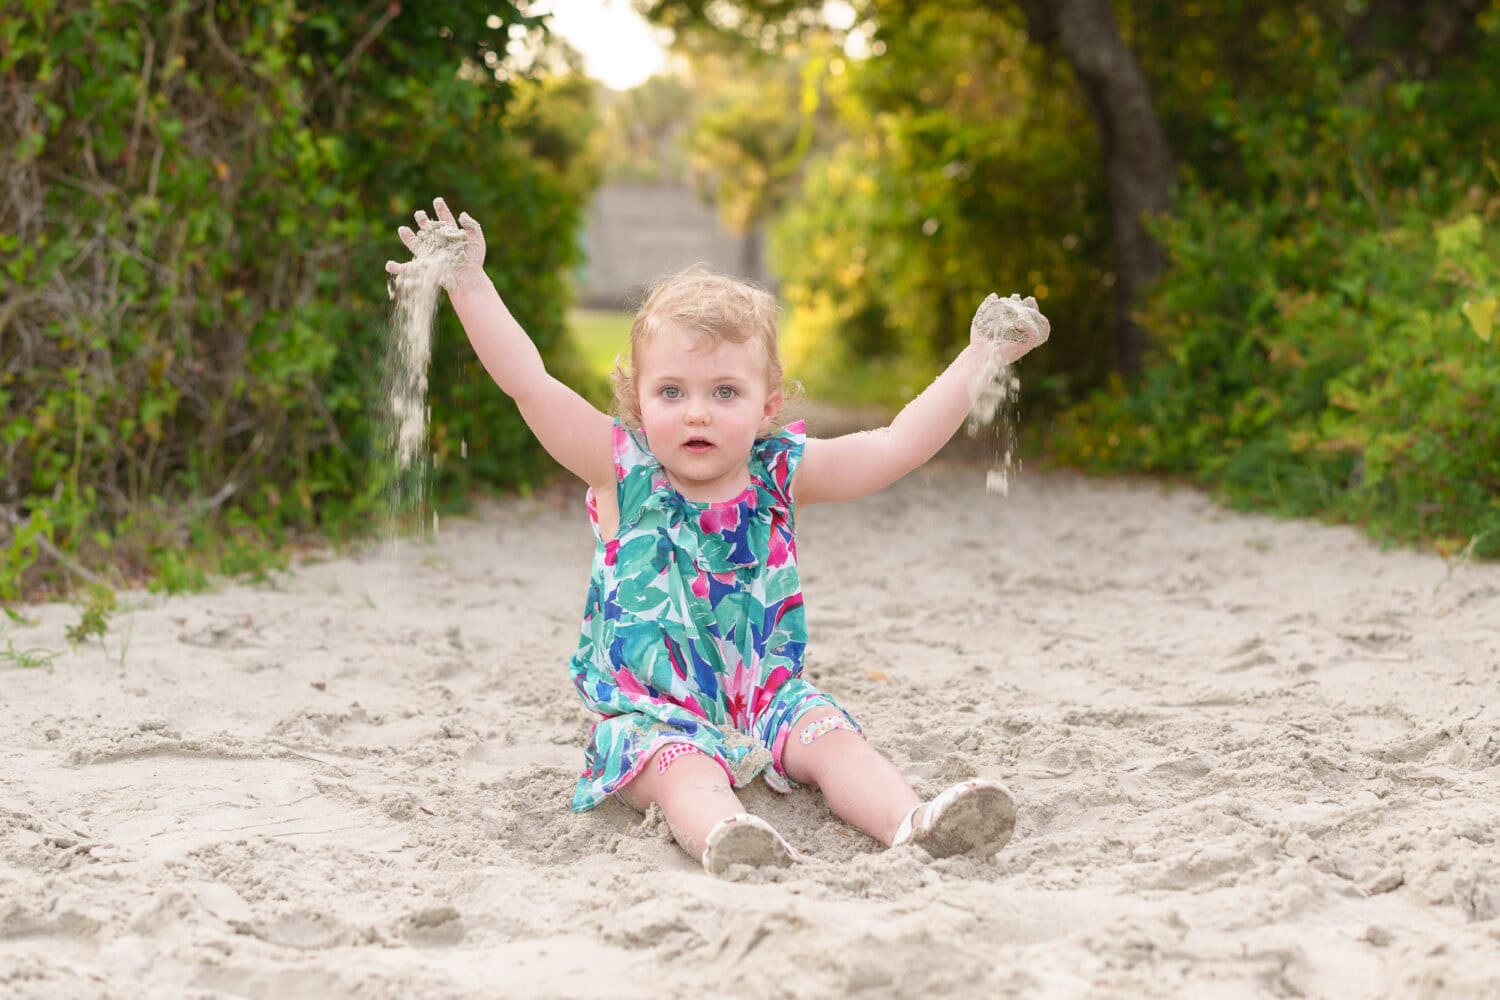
(1252, 758)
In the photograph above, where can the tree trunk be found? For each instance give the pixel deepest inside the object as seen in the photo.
(1138, 167)
(750, 253)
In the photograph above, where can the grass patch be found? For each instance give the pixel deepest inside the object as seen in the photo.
(27, 659)
(599, 335)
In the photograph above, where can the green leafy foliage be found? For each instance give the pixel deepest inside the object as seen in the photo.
(1320, 338)
(199, 205)
(966, 167)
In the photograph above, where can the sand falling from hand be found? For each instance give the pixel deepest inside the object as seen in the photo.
(995, 390)
(438, 252)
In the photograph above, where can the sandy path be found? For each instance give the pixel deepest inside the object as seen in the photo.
(1253, 758)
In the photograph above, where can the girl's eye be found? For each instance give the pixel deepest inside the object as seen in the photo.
(725, 392)
(670, 391)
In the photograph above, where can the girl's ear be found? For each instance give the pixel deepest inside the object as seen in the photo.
(773, 407)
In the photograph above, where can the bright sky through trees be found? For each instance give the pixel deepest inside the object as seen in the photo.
(619, 48)
(622, 50)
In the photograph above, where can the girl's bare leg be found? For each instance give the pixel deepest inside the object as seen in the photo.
(860, 785)
(694, 793)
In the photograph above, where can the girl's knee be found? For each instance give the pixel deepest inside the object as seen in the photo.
(821, 726)
(819, 722)
(669, 764)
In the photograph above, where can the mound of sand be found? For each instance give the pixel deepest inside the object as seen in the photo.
(1252, 757)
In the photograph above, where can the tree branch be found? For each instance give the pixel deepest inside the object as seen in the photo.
(392, 10)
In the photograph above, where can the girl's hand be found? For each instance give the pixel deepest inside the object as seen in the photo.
(1010, 327)
(441, 237)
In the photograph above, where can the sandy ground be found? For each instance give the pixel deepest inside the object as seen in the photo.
(1253, 758)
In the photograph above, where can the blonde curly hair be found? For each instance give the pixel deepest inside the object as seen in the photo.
(717, 306)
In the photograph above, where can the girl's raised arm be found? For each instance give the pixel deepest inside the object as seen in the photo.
(856, 465)
(568, 426)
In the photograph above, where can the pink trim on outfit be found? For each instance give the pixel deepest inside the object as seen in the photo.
(671, 753)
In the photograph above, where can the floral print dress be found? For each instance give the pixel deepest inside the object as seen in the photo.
(693, 631)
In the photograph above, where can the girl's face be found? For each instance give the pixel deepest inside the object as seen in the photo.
(703, 401)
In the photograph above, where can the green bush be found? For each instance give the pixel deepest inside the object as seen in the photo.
(200, 201)
(1321, 336)
(1372, 400)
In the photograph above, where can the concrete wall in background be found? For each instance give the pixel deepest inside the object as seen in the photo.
(636, 233)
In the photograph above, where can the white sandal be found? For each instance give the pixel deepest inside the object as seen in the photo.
(745, 840)
(972, 817)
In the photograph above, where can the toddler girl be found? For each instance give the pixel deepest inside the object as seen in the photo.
(693, 632)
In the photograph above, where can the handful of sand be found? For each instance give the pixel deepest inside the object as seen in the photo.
(993, 392)
(1011, 319)
(438, 251)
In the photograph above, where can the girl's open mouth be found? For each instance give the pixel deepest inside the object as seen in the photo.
(697, 445)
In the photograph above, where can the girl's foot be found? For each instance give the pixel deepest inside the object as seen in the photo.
(745, 840)
(973, 817)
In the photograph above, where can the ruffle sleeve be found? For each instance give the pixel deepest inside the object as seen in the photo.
(637, 475)
(778, 457)
(637, 472)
